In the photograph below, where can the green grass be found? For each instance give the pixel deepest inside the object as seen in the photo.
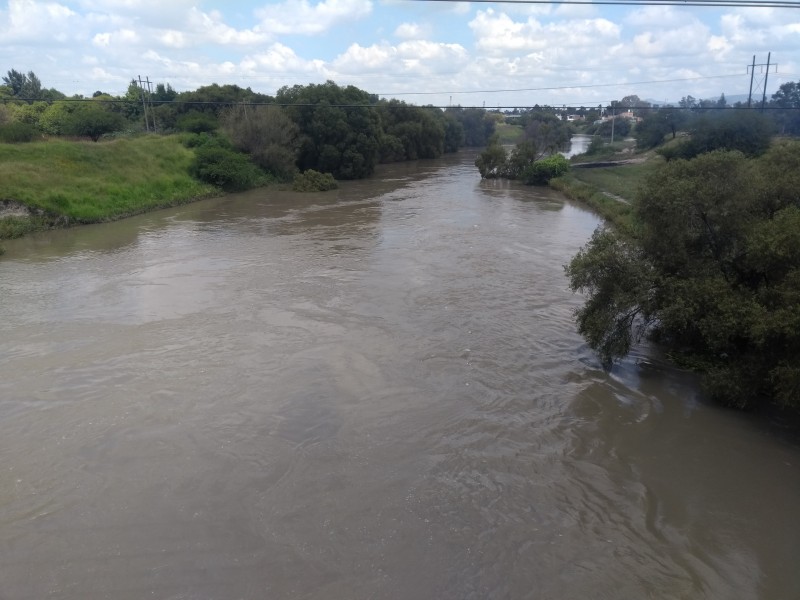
(614, 211)
(623, 181)
(611, 191)
(508, 134)
(86, 182)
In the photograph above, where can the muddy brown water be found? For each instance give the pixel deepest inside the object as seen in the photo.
(372, 393)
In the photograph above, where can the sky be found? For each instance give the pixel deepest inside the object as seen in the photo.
(440, 53)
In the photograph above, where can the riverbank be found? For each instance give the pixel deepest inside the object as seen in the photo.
(57, 183)
(610, 189)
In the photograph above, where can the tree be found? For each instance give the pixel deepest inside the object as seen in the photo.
(521, 157)
(546, 132)
(713, 273)
(656, 124)
(340, 131)
(787, 101)
(26, 87)
(411, 132)
(491, 162)
(266, 133)
(744, 130)
(92, 121)
(687, 102)
(477, 125)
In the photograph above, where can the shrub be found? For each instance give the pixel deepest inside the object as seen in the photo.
(492, 162)
(196, 122)
(16, 132)
(542, 171)
(92, 122)
(314, 181)
(225, 168)
(196, 140)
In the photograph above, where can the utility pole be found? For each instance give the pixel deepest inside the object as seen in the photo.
(147, 103)
(766, 77)
(613, 120)
(150, 103)
(752, 69)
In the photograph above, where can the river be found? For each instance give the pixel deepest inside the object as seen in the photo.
(376, 392)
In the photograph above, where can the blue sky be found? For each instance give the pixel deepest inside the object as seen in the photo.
(422, 52)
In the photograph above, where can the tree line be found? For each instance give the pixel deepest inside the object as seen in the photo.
(341, 130)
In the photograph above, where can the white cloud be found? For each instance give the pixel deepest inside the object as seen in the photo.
(498, 34)
(209, 27)
(28, 21)
(417, 56)
(659, 17)
(300, 16)
(689, 40)
(410, 31)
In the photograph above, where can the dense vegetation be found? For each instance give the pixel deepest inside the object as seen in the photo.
(233, 139)
(711, 269)
(535, 159)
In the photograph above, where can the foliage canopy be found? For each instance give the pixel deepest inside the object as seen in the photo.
(713, 272)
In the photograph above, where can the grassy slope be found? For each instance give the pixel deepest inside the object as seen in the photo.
(87, 182)
(611, 191)
(508, 133)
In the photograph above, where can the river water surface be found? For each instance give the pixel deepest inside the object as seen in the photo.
(376, 392)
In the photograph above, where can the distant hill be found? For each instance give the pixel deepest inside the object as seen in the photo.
(732, 99)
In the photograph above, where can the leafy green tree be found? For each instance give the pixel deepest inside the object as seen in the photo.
(27, 87)
(521, 157)
(55, 118)
(621, 128)
(657, 124)
(29, 113)
(478, 126)
(491, 162)
(744, 130)
(267, 134)
(453, 133)
(195, 121)
(93, 121)
(546, 132)
(340, 131)
(787, 101)
(713, 272)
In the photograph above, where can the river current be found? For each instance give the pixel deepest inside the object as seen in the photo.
(376, 392)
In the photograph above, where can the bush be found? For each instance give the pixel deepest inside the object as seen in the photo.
(196, 140)
(224, 168)
(314, 181)
(92, 122)
(542, 171)
(492, 162)
(747, 132)
(196, 122)
(16, 132)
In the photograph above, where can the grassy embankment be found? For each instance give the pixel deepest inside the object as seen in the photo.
(64, 182)
(610, 191)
